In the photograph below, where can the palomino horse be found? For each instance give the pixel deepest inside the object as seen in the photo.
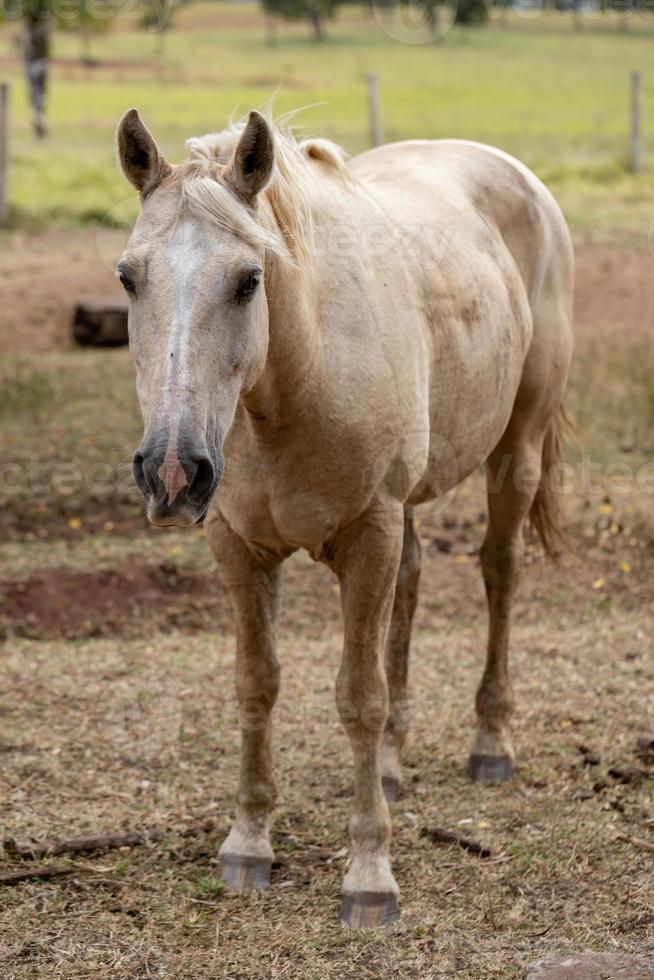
(320, 346)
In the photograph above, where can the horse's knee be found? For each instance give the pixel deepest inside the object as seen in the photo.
(362, 708)
(501, 563)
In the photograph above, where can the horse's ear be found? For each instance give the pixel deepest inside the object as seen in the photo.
(142, 163)
(252, 164)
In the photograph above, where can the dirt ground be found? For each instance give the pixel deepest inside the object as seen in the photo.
(117, 710)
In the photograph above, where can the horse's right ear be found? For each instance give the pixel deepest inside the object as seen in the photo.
(141, 161)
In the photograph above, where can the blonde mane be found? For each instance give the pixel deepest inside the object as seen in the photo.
(289, 192)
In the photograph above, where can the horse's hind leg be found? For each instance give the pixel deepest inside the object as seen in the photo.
(397, 659)
(514, 470)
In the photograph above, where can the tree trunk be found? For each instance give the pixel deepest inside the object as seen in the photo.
(433, 20)
(160, 41)
(37, 52)
(271, 30)
(84, 36)
(315, 18)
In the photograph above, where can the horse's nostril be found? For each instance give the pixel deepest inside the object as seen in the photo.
(145, 473)
(202, 481)
(189, 479)
(138, 472)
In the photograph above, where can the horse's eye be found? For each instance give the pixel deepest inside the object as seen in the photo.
(248, 286)
(128, 284)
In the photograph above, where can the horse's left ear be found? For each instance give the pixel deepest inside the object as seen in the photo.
(142, 163)
(252, 164)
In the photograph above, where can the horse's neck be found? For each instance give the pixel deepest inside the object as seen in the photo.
(298, 368)
(293, 340)
(294, 348)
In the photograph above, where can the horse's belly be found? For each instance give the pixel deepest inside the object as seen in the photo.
(471, 405)
(453, 457)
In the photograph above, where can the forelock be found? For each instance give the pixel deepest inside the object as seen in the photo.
(289, 192)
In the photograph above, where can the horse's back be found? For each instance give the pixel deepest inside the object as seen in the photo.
(494, 263)
(467, 182)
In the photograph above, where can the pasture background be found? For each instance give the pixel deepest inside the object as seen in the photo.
(557, 98)
(116, 706)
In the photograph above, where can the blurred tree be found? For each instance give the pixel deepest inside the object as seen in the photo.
(38, 18)
(470, 12)
(38, 22)
(432, 14)
(85, 17)
(271, 29)
(315, 11)
(157, 17)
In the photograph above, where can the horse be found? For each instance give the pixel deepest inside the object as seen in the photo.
(321, 345)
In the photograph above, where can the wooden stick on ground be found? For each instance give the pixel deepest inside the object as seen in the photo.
(644, 845)
(439, 836)
(45, 871)
(77, 845)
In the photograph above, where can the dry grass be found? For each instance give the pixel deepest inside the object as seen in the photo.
(110, 733)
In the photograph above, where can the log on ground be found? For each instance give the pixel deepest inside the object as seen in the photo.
(101, 323)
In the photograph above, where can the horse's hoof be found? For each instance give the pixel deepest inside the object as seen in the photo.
(243, 873)
(369, 910)
(491, 769)
(392, 788)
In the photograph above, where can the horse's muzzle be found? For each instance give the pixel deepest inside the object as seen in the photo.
(177, 484)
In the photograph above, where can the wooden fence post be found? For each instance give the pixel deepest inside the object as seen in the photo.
(373, 109)
(635, 145)
(4, 153)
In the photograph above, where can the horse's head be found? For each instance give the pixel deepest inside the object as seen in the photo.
(198, 320)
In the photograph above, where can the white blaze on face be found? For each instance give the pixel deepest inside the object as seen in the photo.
(186, 258)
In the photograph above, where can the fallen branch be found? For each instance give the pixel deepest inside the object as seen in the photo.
(79, 845)
(643, 845)
(543, 932)
(34, 874)
(439, 836)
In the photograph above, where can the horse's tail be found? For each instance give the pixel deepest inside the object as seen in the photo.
(546, 513)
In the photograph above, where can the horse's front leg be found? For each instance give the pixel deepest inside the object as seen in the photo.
(255, 590)
(367, 557)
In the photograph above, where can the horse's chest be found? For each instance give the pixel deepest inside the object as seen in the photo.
(296, 503)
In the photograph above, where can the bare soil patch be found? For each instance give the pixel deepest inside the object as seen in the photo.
(614, 285)
(129, 601)
(145, 593)
(44, 276)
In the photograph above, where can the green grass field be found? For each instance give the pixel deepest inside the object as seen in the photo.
(554, 97)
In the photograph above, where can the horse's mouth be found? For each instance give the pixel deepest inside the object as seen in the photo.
(182, 513)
